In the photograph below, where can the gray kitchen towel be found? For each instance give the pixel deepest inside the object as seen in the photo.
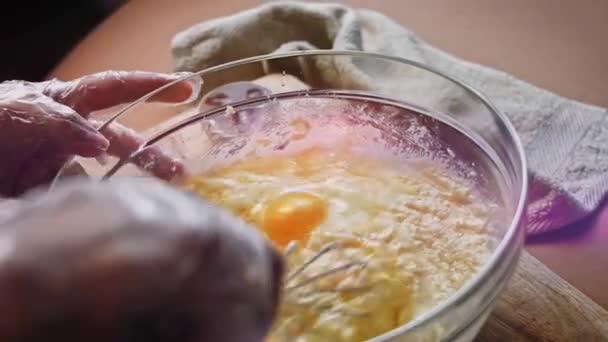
(566, 141)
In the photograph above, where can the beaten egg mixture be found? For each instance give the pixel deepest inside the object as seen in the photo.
(409, 236)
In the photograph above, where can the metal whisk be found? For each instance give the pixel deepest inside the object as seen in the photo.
(293, 282)
(312, 301)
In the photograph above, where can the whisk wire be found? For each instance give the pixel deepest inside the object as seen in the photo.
(324, 274)
(326, 249)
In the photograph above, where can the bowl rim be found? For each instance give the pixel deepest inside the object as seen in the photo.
(507, 244)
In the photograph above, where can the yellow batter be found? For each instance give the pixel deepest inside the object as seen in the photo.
(412, 234)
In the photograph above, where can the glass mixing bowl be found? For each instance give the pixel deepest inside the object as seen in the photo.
(424, 111)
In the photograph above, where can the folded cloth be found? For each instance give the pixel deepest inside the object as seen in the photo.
(566, 141)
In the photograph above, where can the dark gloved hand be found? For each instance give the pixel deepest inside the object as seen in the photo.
(133, 260)
(43, 124)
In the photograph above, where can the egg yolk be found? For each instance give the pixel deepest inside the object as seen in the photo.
(292, 216)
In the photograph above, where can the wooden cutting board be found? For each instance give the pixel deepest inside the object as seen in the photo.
(538, 305)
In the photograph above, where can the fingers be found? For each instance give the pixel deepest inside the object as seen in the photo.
(59, 135)
(111, 88)
(37, 122)
(73, 140)
(107, 89)
(125, 141)
(37, 135)
(65, 132)
(47, 124)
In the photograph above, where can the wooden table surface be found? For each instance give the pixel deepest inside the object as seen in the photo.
(556, 44)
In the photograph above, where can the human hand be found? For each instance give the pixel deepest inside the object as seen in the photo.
(43, 124)
(132, 260)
